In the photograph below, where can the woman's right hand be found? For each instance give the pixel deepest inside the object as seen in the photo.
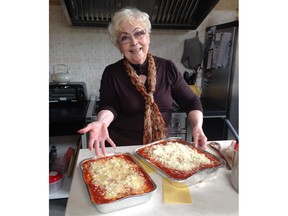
(98, 135)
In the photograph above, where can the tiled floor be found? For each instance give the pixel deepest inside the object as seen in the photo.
(57, 207)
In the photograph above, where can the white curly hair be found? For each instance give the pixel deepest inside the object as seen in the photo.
(127, 15)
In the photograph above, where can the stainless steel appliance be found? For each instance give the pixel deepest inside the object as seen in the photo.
(68, 105)
(220, 81)
(168, 14)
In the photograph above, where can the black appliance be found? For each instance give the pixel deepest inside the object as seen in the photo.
(68, 105)
(67, 92)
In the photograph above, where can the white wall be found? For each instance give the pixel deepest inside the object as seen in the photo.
(87, 51)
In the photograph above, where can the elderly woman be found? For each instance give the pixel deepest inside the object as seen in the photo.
(137, 92)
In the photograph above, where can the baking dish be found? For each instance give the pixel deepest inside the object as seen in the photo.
(124, 198)
(180, 178)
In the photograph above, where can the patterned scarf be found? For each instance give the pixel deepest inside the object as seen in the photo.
(154, 125)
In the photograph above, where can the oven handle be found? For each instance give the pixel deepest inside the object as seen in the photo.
(231, 128)
(89, 119)
(90, 108)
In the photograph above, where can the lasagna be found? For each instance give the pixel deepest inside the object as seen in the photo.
(177, 159)
(114, 177)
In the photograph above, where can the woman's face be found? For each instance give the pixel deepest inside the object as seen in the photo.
(134, 43)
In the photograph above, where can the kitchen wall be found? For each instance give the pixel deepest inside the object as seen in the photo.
(87, 51)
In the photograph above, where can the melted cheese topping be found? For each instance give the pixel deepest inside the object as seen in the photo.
(174, 155)
(116, 176)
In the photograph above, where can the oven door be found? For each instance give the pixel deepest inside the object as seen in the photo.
(67, 118)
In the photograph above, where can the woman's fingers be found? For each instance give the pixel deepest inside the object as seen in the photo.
(103, 147)
(111, 142)
(96, 146)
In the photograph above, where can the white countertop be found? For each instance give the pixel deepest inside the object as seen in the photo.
(215, 196)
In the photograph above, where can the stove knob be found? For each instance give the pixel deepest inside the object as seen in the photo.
(81, 94)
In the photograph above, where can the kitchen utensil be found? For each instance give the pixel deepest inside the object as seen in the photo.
(217, 147)
(60, 73)
(193, 78)
(186, 76)
(190, 77)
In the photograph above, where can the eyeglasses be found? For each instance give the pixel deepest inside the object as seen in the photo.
(126, 38)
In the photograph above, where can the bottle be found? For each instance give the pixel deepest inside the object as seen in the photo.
(52, 155)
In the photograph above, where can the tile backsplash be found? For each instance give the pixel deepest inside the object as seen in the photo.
(87, 51)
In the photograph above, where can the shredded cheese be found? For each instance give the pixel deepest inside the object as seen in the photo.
(116, 176)
(174, 155)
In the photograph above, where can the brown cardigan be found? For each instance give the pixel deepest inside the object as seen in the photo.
(120, 96)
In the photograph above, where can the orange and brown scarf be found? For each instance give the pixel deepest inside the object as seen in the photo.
(154, 125)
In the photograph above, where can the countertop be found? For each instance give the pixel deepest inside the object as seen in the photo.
(214, 196)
